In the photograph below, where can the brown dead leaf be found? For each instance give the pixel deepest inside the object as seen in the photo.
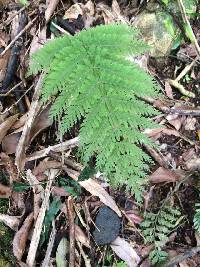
(133, 217)
(125, 251)
(115, 7)
(190, 123)
(97, 190)
(6, 125)
(10, 142)
(45, 165)
(3, 64)
(51, 6)
(20, 123)
(164, 175)
(193, 164)
(5, 191)
(10, 221)
(41, 122)
(20, 238)
(74, 11)
(59, 191)
(88, 14)
(81, 237)
(10, 168)
(168, 90)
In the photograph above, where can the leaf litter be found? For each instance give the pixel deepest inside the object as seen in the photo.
(50, 168)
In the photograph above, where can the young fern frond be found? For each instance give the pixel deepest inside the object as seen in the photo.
(92, 79)
(156, 228)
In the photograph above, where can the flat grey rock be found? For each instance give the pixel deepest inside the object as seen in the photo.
(108, 226)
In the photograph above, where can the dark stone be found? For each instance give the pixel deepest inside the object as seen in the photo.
(107, 226)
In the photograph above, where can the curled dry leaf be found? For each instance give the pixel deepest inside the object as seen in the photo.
(164, 175)
(20, 238)
(125, 251)
(97, 190)
(5, 191)
(10, 221)
(6, 125)
(81, 237)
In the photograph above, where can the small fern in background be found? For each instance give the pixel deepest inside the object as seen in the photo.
(91, 79)
(196, 219)
(156, 228)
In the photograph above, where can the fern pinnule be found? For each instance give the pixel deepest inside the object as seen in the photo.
(92, 79)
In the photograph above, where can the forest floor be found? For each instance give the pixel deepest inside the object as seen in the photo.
(49, 202)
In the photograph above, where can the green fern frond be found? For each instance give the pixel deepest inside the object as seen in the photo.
(196, 219)
(92, 79)
(156, 228)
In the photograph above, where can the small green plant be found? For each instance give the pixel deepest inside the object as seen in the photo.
(156, 228)
(91, 80)
(196, 219)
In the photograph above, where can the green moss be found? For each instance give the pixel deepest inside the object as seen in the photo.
(6, 255)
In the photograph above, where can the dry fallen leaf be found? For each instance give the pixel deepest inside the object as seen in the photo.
(3, 64)
(168, 90)
(6, 125)
(125, 251)
(74, 11)
(41, 122)
(45, 165)
(97, 190)
(10, 142)
(5, 191)
(133, 217)
(193, 164)
(10, 221)
(81, 237)
(164, 175)
(20, 238)
(51, 6)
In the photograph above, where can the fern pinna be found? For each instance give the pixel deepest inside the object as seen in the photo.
(92, 79)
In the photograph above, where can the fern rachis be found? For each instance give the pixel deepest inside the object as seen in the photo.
(92, 79)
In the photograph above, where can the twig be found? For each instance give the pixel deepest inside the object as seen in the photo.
(56, 148)
(23, 141)
(193, 40)
(182, 257)
(186, 20)
(39, 223)
(8, 21)
(70, 212)
(12, 89)
(181, 88)
(86, 259)
(18, 35)
(50, 246)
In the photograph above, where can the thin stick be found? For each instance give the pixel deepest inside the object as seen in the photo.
(12, 89)
(70, 212)
(182, 257)
(186, 20)
(18, 35)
